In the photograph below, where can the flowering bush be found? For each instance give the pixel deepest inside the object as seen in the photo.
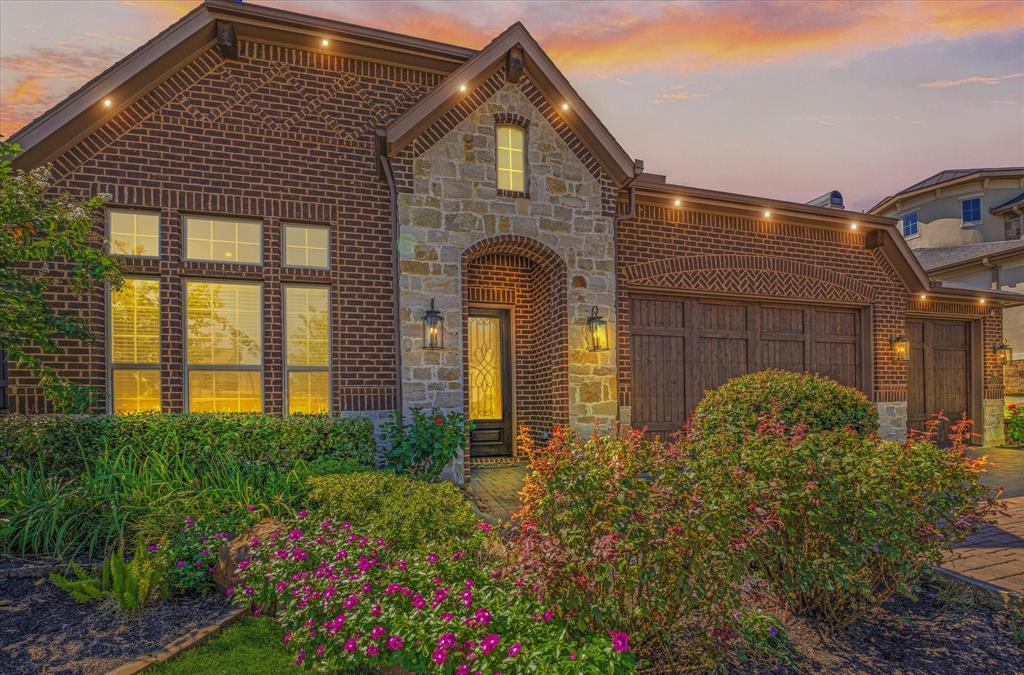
(618, 532)
(859, 518)
(411, 515)
(815, 401)
(190, 555)
(423, 448)
(1014, 424)
(347, 601)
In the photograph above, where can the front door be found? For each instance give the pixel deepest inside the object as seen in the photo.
(939, 377)
(490, 382)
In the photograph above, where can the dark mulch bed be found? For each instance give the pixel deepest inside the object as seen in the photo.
(42, 630)
(945, 632)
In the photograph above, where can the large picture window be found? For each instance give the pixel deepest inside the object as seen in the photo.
(135, 346)
(305, 246)
(511, 159)
(224, 346)
(307, 352)
(223, 240)
(134, 233)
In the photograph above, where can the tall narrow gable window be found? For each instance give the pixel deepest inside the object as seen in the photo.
(134, 233)
(224, 346)
(970, 210)
(511, 158)
(909, 223)
(225, 240)
(135, 346)
(307, 350)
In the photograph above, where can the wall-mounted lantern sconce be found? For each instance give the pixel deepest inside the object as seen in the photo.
(900, 346)
(1003, 352)
(433, 329)
(597, 332)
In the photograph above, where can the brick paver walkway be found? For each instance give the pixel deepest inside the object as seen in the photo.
(496, 489)
(994, 554)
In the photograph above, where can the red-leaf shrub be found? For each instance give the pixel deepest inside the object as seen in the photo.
(860, 518)
(617, 531)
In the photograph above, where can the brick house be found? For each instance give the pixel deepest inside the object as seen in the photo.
(309, 208)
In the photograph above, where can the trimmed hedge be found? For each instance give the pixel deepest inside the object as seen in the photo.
(411, 515)
(60, 443)
(736, 408)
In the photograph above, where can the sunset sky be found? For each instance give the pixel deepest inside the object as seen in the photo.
(784, 100)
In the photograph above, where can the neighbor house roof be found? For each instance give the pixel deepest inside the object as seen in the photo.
(1008, 204)
(543, 73)
(947, 177)
(934, 259)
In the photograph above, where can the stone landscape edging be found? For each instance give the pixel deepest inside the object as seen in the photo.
(184, 643)
(991, 595)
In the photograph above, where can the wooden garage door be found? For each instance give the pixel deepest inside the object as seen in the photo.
(684, 347)
(940, 367)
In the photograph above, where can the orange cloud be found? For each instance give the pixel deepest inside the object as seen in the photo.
(677, 93)
(973, 79)
(168, 10)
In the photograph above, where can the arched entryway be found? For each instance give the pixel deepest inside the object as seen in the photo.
(515, 341)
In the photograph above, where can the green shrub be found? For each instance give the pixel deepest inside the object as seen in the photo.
(737, 407)
(190, 554)
(424, 447)
(856, 518)
(122, 494)
(412, 515)
(62, 444)
(129, 583)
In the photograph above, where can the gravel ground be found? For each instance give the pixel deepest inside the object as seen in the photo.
(944, 632)
(42, 630)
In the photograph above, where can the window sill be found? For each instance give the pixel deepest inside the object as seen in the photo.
(513, 194)
(970, 223)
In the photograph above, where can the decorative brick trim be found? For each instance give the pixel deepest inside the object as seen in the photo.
(514, 244)
(750, 275)
(513, 119)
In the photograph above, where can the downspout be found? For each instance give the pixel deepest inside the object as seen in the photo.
(630, 214)
(389, 178)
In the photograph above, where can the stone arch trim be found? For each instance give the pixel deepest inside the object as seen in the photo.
(511, 119)
(750, 275)
(515, 244)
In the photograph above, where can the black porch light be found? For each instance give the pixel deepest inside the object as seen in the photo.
(433, 328)
(1003, 352)
(597, 332)
(900, 346)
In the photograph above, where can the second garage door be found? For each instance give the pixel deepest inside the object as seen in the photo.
(940, 368)
(684, 347)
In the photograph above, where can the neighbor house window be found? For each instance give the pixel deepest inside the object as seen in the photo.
(135, 346)
(134, 233)
(909, 222)
(223, 240)
(1012, 225)
(511, 159)
(307, 349)
(970, 210)
(305, 246)
(224, 346)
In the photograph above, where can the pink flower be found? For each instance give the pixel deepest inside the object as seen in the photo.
(463, 669)
(433, 558)
(350, 645)
(229, 590)
(248, 591)
(377, 631)
(294, 534)
(439, 655)
(375, 610)
(447, 640)
(205, 551)
(190, 521)
(488, 644)
(153, 547)
(242, 564)
(620, 641)
(572, 656)
(319, 650)
(458, 555)
(484, 527)
(514, 649)
(251, 507)
(303, 513)
(547, 616)
(394, 642)
(372, 650)
(300, 656)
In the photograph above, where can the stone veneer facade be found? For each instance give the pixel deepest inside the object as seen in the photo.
(454, 204)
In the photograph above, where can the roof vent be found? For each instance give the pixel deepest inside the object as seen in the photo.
(829, 200)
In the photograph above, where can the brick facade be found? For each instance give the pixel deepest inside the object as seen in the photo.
(280, 135)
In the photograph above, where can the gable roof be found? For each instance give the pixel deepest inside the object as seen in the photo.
(543, 73)
(934, 259)
(1006, 205)
(947, 177)
(83, 111)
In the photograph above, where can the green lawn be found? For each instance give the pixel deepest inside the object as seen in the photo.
(249, 647)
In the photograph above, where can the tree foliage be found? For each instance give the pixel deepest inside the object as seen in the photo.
(48, 243)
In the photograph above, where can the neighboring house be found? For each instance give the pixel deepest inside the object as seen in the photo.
(309, 208)
(964, 225)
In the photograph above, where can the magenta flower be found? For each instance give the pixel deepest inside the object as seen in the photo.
(205, 551)
(372, 650)
(447, 616)
(620, 641)
(375, 610)
(447, 640)
(433, 558)
(377, 631)
(153, 547)
(248, 591)
(300, 657)
(488, 644)
(229, 590)
(350, 645)
(251, 507)
(190, 521)
(294, 534)
(242, 564)
(180, 563)
(458, 555)
(572, 656)
(484, 527)
(482, 616)
(463, 669)
(439, 655)
(394, 642)
(514, 649)
(319, 650)
(547, 616)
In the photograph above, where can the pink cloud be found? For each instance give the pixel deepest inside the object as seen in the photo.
(973, 79)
